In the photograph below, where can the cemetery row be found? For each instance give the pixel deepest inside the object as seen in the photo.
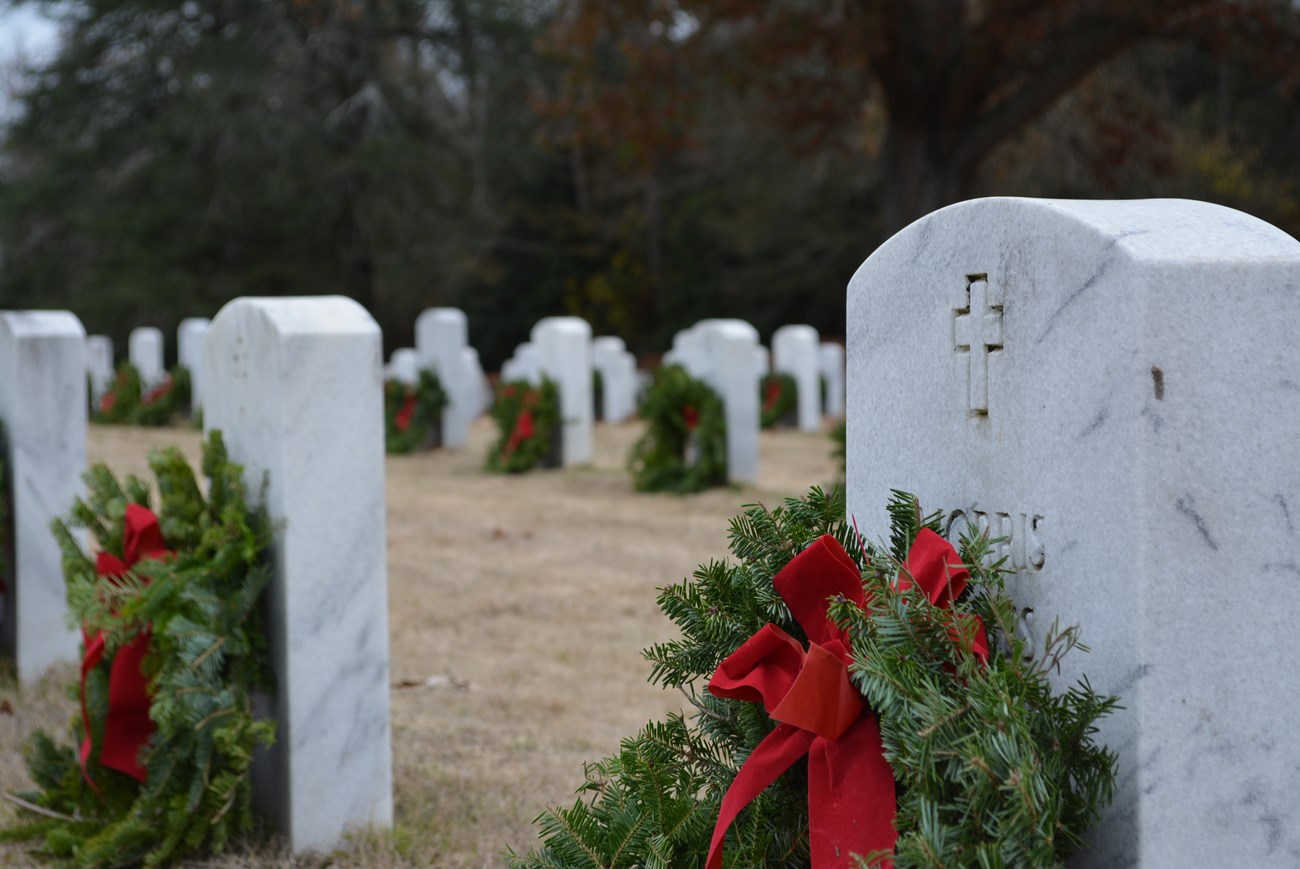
(1110, 389)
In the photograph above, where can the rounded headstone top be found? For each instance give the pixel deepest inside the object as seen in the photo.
(302, 315)
(442, 315)
(26, 323)
(561, 325)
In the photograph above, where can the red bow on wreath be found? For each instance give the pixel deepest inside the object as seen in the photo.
(402, 419)
(690, 417)
(523, 431)
(851, 799)
(127, 726)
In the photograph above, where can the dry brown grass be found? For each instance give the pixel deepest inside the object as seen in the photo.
(532, 595)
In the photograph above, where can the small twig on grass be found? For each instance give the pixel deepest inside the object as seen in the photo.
(40, 810)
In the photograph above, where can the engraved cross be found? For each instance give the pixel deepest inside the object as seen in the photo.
(977, 332)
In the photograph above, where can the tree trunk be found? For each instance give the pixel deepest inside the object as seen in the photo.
(918, 180)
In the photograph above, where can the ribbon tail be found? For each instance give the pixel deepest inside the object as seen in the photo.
(93, 655)
(851, 798)
(127, 727)
(774, 755)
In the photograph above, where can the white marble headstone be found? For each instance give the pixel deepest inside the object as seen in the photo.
(480, 390)
(530, 363)
(830, 358)
(145, 352)
(727, 350)
(794, 352)
(404, 366)
(43, 410)
(441, 336)
(191, 335)
(99, 365)
(564, 354)
(1115, 387)
(296, 388)
(618, 384)
(763, 359)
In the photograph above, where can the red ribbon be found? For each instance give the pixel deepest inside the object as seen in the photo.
(402, 421)
(851, 798)
(773, 395)
(523, 431)
(157, 392)
(127, 726)
(934, 566)
(691, 417)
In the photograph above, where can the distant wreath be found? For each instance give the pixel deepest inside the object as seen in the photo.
(413, 413)
(528, 420)
(851, 701)
(127, 402)
(779, 394)
(170, 615)
(684, 447)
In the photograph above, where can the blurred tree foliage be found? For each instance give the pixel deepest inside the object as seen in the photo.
(642, 163)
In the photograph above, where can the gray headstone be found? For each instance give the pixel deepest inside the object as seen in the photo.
(404, 366)
(564, 353)
(1115, 387)
(296, 388)
(43, 410)
(145, 352)
(191, 335)
(727, 353)
(618, 384)
(794, 352)
(441, 336)
(830, 358)
(99, 365)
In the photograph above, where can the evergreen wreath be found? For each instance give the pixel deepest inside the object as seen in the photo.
(528, 419)
(684, 447)
(988, 767)
(779, 395)
(174, 650)
(413, 413)
(127, 402)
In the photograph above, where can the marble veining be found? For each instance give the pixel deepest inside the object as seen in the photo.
(1169, 475)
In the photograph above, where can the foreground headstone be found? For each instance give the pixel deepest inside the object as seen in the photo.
(295, 386)
(99, 365)
(1112, 386)
(564, 354)
(191, 335)
(441, 336)
(830, 359)
(145, 352)
(794, 352)
(43, 412)
(404, 366)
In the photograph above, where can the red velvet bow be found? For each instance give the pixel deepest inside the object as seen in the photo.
(523, 431)
(773, 395)
(934, 566)
(127, 726)
(851, 799)
(157, 392)
(402, 419)
(690, 417)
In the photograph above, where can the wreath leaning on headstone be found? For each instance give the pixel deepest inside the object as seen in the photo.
(169, 611)
(413, 413)
(127, 402)
(861, 700)
(684, 447)
(778, 394)
(528, 419)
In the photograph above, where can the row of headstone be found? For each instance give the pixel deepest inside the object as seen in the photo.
(296, 389)
(145, 353)
(797, 351)
(606, 354)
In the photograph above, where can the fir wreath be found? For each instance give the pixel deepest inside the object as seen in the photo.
(989, 768)
(175, 599)
(779, 395)
(528, 419)
(127, 402)
(413, 414)
(684, 446)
